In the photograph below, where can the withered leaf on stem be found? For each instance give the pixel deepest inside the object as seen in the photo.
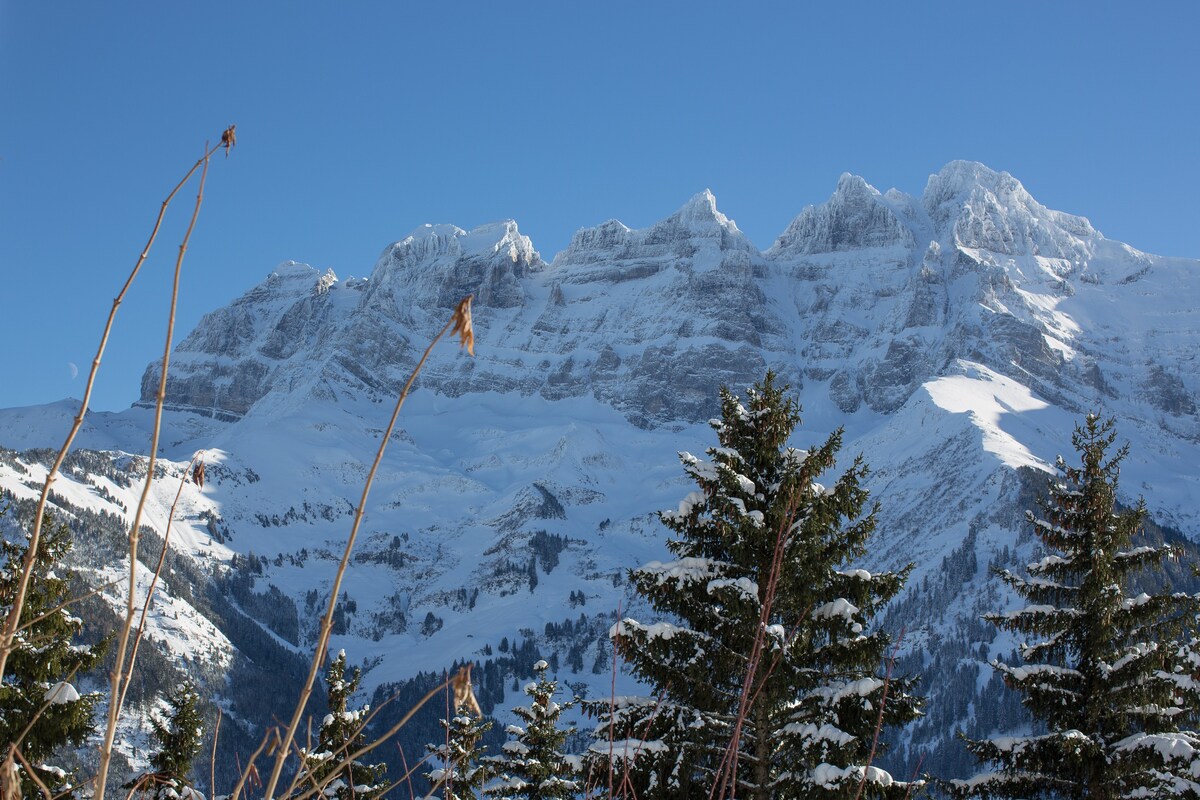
(229, 139)
(464, 695)
(462, 324)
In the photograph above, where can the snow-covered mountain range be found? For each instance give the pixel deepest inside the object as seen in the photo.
(956, 336)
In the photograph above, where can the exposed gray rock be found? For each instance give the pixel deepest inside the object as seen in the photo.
(652, 321)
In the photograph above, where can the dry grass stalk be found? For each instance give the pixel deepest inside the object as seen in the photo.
(355, 755)
(462, 325)
(67, 604)
(116, 694)
(212, 763)
(14, 614)
(464, 695)
(725, 779)
(42, 787)
(162, 557)
(887, 682)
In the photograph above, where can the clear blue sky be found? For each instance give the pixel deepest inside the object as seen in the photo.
(358, 121)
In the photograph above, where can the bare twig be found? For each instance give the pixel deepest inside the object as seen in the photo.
(461, 322)
(116, 695)
(14, 613)
(68, 604)
(379, 740)
(42, 787)
(887, 681)
(49, 700)
(162, 557)
(612, 711)
(725, 779)
(407, 773)
(912, 783)
(269, 738)
(212, 764)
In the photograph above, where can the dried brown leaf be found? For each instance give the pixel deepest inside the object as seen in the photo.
(464, 695)
(462, 325)
(10, 780)
(229, 139)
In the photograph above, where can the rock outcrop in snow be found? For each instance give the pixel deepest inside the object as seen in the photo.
(956, 335)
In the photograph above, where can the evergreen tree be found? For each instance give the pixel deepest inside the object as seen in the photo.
(329, 766)
(1104, 671)
(41, 712)
(464, 769)
(178, 739)
(763, 553)
(532, 765)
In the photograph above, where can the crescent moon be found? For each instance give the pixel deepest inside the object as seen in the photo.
(74, 369)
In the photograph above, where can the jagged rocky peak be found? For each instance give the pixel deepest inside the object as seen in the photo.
(698, 234)
(702, 209)
(855, 217)
(594, 244)
(700, 219)
(973, 206)
(440, 264)
(288, 290)
(226, 363)
(498, 240)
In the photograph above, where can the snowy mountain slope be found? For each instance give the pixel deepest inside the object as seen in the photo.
(956, 336)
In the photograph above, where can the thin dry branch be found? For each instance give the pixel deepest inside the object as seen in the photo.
(14, 614)
(42, 787)
(68, 603)
(461, 322)
(270, 738)
(887, 681)
(725, 779)
(212, 764)
(116, 694)
(355, 755)
(162, 557)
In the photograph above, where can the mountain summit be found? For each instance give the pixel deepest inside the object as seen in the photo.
(955, 337)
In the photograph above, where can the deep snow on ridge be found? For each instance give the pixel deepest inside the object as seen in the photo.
(956, 337)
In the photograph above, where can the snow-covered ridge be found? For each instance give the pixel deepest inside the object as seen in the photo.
(869, 294)
(956, 336)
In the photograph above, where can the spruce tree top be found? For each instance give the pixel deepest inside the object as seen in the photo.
(1107, 668)
(330, 766)
(44, 662)
(764, 565)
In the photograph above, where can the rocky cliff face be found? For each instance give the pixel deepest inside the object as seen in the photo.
(955, 335)
(867, 295)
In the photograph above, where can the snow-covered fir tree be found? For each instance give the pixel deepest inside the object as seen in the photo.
(178, 738)
(41, 711)
(329, 767)
(766, 638)
(532, 764)
(1105, 671)
(464, 769)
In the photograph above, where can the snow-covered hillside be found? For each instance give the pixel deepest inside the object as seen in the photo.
(956, 336)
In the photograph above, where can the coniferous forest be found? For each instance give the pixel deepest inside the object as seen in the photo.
(767, 668)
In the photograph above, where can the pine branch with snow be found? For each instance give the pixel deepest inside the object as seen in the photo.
(1111, 676)
(532, 764)
(767, 674)
(41, 712)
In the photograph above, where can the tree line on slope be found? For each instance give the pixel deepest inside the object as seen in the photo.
(766, 679)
